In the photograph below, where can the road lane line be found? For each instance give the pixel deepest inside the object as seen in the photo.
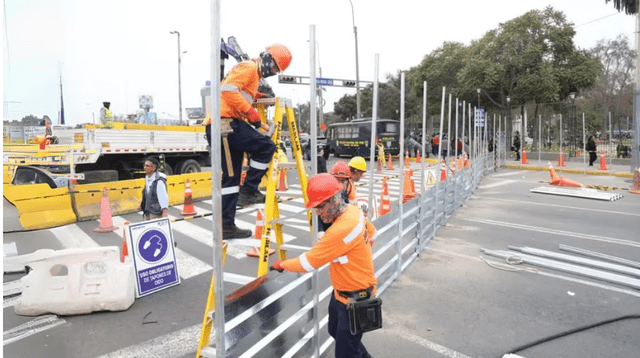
(548, 274)
(559, 206)
(557, 232)
(498, 183)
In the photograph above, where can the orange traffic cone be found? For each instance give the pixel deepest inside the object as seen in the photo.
(524, 156)
(418, 159)
(124, 252)
(282, 181)
(385, 203)
(466, 160)
(635, 188)
(460, 162)
(554, 176)
(406, 159)
(453, 166)
(578, 152)
(407, 193)
(561, 159)
(106, 221)
(603, 162)
(260, 222)
(443, 171)
(188, 209)
(379, 166)
(413, 183)
(389, 163)
(567, 182)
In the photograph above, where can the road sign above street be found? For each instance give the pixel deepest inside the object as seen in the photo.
(324, 81)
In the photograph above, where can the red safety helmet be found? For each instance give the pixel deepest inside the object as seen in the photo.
(281, 55)
(320, 188)
(341, 170)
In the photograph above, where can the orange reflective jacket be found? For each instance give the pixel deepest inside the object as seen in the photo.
(238, 90)
(343, 246)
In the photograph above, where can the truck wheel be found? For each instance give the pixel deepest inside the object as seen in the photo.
(167, 169)
(99, 176)
(188, 166)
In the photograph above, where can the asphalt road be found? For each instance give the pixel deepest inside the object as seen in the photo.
(449, 303)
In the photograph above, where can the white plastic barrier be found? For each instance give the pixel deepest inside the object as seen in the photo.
(76, 281)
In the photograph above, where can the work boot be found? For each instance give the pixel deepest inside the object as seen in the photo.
(248, 197)
(233, 232)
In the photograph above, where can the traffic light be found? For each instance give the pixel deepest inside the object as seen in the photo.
(287, 79)
(348, 83)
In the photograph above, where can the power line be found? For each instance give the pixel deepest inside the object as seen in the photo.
(604, 17)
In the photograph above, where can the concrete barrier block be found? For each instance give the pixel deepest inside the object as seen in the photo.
(76, 281)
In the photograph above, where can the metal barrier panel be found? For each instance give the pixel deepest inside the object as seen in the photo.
(272, 315)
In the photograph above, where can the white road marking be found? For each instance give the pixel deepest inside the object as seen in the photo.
(174, 344)
(557, 232)
(499, 183)
(560, 206)
(548, 274)
(71, 236)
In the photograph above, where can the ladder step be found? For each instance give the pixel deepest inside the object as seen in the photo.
(208, 352)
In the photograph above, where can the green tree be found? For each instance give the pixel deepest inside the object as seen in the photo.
(629, 6)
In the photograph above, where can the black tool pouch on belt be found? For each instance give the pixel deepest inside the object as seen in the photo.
(364, 315)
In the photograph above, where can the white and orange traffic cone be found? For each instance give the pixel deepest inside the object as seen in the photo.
(188, 209)
(418, 159)
(524, 156)
(406, 159)
(554, 176)
(603, 162)
(385, 203)
(282, 180)
(389, 163)
(567, 182)
(408, 192)
(257, 234)
(635, 187)
(124, 252)
(106, 221)
(453, 166)
(443, 171)
(561, 159)
(460, 162)
(466, 160)
(379, 166)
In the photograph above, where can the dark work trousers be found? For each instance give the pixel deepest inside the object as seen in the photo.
(592, 158)
(260, 148)
(347, 344)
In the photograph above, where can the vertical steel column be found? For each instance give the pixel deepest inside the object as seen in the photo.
(424, 134)
(216, 186)
(584, 145)
(401, 204)
(374, 131)
(315, 340)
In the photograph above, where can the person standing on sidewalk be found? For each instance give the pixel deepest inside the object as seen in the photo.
(592, 149)
(345, 248)
(155, 201)
(516, 145)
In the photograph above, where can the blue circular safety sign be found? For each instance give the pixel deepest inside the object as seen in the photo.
(153, 246)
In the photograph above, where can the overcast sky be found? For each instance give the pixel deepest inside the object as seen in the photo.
(117, 50)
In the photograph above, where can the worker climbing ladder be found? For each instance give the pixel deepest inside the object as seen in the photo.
(282, 107)
(272, 211)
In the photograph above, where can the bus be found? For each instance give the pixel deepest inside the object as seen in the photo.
(353, 138)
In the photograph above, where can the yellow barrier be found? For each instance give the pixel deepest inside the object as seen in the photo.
(124, 198)
(39, 206)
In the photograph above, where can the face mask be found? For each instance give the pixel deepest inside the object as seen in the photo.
(268, 67)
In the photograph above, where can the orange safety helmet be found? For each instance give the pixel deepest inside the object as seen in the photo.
(281, 55)
(341, 170)
(320, 188)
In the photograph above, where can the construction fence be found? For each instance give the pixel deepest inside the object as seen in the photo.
(278, 314)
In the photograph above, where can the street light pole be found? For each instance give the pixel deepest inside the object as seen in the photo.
(507, 126)
(574, 144)
(179, 75)
(355, 33)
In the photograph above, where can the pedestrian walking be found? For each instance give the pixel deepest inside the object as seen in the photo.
(155, 201)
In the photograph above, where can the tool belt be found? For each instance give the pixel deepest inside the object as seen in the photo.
(365, 312)
(225, 130)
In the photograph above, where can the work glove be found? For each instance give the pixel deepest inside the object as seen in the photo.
(277, 266)
(254, 117)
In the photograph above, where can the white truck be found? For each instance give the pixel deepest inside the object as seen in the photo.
(118, 153)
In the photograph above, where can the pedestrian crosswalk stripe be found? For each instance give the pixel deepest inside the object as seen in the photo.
(71, 236)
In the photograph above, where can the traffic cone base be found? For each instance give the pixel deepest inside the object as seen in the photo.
(188, 209)
(106, 221)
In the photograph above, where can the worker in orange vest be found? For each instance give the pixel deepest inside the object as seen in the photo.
(237, 91)
(344, 247)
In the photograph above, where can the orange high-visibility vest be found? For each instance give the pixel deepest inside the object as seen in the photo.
(238, 90)
(344, 247)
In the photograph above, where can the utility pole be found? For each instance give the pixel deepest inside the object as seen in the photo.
(355, 33)
(179, 75)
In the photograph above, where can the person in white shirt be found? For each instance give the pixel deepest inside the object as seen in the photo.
(155, 201)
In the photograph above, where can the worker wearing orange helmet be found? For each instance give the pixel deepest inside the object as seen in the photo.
(342, 172)
(350, 259)
(238, 90)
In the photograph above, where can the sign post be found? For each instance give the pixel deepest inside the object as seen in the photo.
(154, 260)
